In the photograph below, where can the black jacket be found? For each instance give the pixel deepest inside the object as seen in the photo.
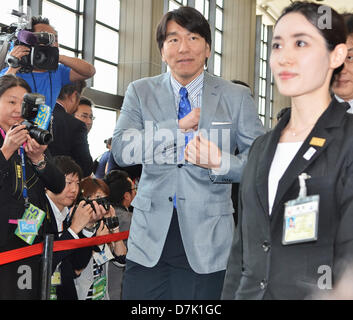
(70, 139)
(70, 260)
(260, 266)
(12, 207)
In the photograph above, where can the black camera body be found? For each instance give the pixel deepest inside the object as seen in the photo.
(100, 201)
(110, 222)
(37, 116)
(40, 57)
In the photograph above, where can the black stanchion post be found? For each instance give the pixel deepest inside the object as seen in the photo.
(47, 266)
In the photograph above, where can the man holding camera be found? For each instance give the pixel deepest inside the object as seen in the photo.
(47, 82)
(67, 263)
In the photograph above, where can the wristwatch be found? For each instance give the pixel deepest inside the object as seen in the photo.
(40, 165)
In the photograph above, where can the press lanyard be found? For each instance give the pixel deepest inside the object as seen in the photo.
(23, 165)
(51, 87)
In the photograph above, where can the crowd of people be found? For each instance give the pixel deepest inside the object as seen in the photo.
(294, 209)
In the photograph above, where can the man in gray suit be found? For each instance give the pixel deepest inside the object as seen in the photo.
(182, 225)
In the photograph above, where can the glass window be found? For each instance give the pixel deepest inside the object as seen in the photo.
(219, 19)
(56, 15)
(68, 53)
(5, 13)
(219, 3)
(218, 41)
(107, 44)
(108, 12)
(217, 64)
(102, 128)
(69, 3)
(200, 5)
(264, 86)
(106, 77)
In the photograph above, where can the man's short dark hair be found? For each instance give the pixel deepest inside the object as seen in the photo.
(118, 185)
(69, 89)
(67, 166)
(38, 20)
(188, 18)
(86, 101)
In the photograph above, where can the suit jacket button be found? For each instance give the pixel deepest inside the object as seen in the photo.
(266, 246)
(263, 284)
(170, 199)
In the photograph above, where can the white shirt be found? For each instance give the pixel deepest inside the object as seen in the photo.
(60, 217)
(284, 155)
(350, 110)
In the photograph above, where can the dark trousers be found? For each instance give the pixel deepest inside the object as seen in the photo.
(172, 278)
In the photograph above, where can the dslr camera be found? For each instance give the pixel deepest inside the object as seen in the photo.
(110, 222)
(37, 117)
(42, 55)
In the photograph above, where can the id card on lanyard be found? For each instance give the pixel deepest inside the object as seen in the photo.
(301, 216)
(32, 219)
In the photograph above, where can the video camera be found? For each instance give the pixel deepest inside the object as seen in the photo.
(37, 117)
(42, 55)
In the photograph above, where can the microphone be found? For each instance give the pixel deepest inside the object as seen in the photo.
(27, 37)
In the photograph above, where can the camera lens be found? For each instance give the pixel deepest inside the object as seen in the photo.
(43, 137)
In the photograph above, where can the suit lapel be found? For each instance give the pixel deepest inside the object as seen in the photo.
(165, 97)
(210, 99)
(332, 117)
(265, 161)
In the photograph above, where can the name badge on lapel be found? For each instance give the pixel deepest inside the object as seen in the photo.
(301, 216)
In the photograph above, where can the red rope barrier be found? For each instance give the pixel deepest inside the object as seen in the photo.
(60, 245)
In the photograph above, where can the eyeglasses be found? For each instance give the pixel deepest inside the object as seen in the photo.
(86, 116)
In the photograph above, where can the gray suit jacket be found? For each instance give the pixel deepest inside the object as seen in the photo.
(147, 133)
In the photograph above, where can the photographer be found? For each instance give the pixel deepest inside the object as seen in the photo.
(49, 83)
(92, 284)
(67, 226)
(25, 172)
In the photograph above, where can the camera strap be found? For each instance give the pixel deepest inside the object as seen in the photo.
(51, 87)
(23, 166)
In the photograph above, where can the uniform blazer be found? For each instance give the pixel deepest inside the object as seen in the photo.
(70, 139)
(70, 260)
(260, 266)
(147, 130)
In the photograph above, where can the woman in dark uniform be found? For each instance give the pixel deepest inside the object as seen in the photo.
(302, 171)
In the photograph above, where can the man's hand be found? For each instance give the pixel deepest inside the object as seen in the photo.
(18, 52)
(203, 153)
(34, 150)
(82, 217)
(15, 137)
(190, 121)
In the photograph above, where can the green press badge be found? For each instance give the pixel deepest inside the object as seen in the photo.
(99, 288)
(28, 226)
(301, 217)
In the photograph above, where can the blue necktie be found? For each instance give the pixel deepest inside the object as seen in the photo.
(184, 110)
